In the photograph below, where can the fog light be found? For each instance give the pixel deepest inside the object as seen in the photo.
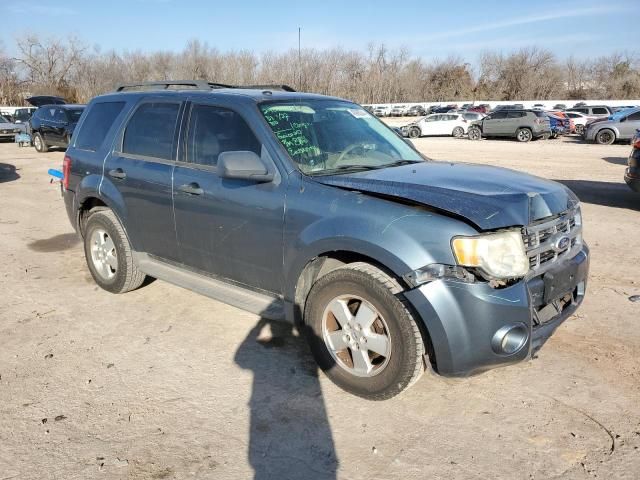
(510, 339)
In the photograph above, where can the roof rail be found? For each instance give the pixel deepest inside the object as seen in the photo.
(193, 85)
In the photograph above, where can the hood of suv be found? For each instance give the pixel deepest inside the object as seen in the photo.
(488, 197)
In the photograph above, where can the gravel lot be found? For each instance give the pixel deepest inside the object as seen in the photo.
(161, 383)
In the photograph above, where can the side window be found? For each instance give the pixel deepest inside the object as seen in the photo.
(499, 115)
(151, 130)
(49, 114)
(213, 130)
(97, 124)
(600, 111)
(634, 116)
(60, 115)
(515, 114)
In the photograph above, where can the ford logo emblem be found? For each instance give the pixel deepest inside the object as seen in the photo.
(561, 243)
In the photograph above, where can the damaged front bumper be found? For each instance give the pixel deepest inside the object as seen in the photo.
(474, 327)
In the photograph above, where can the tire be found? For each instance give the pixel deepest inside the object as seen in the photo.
(605, 137)
(392, 329)
(458, 132)
(474, 133)
(39, 143)
(414, 132)
(108, 253)
(523, 135)
(579, 129)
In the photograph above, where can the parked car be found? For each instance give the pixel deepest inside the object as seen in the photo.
(559, 106)
(382, 111)
(398, 111)
(9, 129)
(23, 115)
(228, 195)
(567, 122)
(617, 127)
(539, 106)
(523, 125)
(53, 125)
(453, 124)
(632, 173)
(445, 109)
(593, 110)
(579, 120)
(416, 111)
(556, 125)
(482, 108)
(466, 106)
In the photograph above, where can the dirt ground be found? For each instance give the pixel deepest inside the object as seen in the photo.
(161, 383)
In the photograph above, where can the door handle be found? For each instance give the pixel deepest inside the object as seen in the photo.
(191, 189)
(117, 173)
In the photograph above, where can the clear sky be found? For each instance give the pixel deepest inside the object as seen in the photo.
(429, 29)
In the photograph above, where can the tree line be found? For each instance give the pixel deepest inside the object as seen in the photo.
(67, 67)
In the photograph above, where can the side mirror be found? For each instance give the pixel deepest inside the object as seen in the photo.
(242, 165)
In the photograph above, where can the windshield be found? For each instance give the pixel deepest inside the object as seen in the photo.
(74, 115)
(3, 120)
(329, 136)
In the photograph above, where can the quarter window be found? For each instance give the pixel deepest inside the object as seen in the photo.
(600, 111)
(151, 130)
(97, 124)
(213, 130)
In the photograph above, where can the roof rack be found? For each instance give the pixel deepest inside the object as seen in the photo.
(193, 85)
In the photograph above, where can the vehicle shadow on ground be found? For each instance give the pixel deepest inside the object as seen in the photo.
(616, 160)
(290, 436)
(8, 173)
(608, 194)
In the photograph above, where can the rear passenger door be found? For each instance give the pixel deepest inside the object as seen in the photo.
(514, 120)
(140, 170)
(230, 228)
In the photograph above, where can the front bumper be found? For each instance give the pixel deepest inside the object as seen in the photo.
(463, 319)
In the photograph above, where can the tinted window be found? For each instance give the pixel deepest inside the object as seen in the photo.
(151, 130)
(634, 116)
(498, 115)
(74, 114)
(213, 130)
(513, 114)
(59, 115)
(600, 111)
(97, 124)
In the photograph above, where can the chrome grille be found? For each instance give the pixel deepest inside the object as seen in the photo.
(545, 240)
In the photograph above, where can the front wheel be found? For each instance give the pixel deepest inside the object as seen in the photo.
(579, 129)
(361, 333)
(474, 133)
(523, 135)
(414, 132)
(458, 132)
(605, 137)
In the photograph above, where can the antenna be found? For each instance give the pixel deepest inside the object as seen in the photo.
(299, 62)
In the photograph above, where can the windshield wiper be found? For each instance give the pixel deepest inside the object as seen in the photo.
(399, 163)
(344, 168)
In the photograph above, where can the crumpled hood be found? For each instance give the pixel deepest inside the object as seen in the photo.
(489, 197)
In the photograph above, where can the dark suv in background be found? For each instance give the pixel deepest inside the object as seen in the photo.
(53, 125)
(523, 125)
(309, 209)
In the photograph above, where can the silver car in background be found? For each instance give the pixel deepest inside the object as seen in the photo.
(620, 126)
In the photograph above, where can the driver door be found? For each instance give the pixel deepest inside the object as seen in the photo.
(229, 228)
(429, 125)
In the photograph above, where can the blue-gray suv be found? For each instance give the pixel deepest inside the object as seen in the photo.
(307, 208)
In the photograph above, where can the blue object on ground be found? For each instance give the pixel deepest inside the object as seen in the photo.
(55, 173)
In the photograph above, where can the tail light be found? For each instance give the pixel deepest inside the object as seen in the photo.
(66, 171)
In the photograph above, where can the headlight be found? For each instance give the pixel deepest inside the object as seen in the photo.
(500, 255)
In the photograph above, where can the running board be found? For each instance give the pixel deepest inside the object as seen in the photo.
(262, 304)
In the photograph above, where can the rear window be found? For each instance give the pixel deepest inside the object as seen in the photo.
(97, 124)
(600, 111)
(151, 130)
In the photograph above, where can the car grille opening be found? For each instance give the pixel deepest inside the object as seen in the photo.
(552, 240)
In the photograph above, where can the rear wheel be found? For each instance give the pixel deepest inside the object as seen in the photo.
(605, 137)
(361, 333)
(523, 135)
(474, 133)
(458, 132)
(39, 143)
(414, 132)
(108, 253)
